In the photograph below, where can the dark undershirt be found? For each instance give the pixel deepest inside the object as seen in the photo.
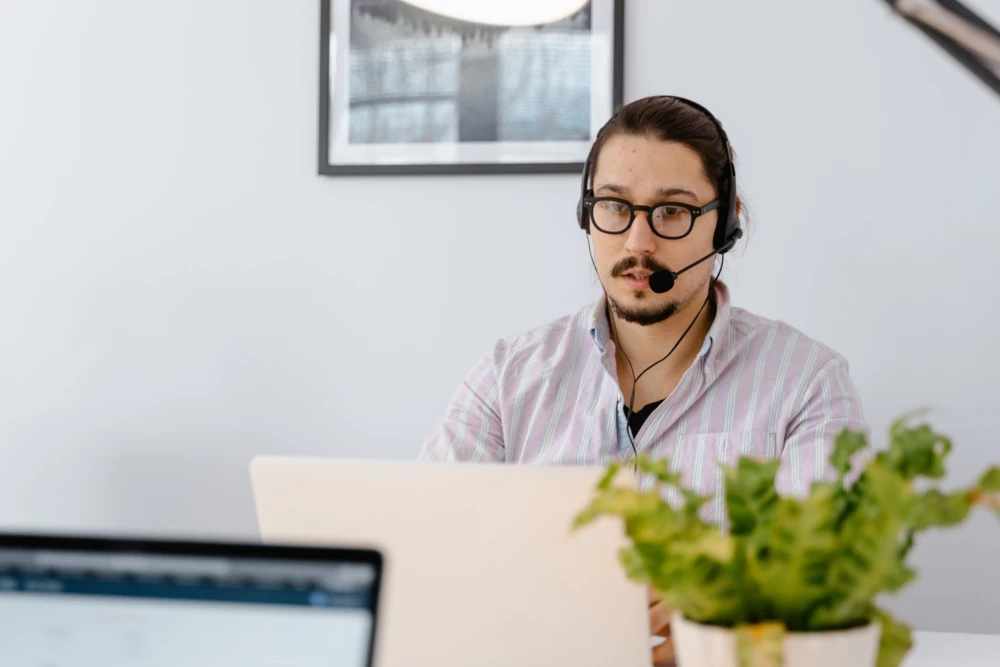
(639, 417)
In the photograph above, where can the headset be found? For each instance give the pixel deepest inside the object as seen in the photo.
(728, 228)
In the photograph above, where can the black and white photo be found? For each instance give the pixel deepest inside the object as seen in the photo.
(407, 90)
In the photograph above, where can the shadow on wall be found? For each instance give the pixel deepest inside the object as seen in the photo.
(204, 497)
(967, 576)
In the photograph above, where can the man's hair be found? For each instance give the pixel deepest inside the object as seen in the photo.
(669, 119)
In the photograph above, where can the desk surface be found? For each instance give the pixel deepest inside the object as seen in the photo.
(953, 649)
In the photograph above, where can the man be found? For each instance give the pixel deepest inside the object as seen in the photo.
(662, 365)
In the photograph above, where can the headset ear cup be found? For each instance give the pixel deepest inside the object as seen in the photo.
(728, 229)
(581, 210)
(582, 216)
(730, 243)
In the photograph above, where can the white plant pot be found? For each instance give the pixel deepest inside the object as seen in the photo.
(699, 645)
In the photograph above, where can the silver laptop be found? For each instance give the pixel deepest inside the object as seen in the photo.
(481, 565)
(81, 602)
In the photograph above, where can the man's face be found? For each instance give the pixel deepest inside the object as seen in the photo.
(647, 171)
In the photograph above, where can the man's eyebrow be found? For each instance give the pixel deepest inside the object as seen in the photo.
(670, 192)
(617, 189)
(623, 191)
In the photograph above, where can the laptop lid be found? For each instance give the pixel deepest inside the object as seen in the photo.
(83, 602)
(482, 567)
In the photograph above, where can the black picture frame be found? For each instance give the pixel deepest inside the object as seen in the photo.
(574, 164)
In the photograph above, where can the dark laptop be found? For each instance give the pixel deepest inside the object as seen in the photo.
(83, 602)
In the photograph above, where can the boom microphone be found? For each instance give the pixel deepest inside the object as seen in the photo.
(663, 281)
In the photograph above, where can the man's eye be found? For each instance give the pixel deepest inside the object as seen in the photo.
(613, 207)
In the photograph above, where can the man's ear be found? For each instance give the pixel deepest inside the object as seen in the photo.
(739, 206)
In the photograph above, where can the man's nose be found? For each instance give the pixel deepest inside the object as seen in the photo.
(641, 239)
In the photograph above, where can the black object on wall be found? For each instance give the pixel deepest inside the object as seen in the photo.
(959, 31)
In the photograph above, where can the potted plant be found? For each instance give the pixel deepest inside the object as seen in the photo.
(790, 581)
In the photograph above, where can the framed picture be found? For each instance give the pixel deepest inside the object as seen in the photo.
(407, 91)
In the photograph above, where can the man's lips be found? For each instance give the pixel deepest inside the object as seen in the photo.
(637, 282)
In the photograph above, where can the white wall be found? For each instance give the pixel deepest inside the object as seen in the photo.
(179, 291)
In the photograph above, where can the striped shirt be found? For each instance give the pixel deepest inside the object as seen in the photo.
(757, 387)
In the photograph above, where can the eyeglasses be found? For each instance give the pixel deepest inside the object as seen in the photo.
(668, 220)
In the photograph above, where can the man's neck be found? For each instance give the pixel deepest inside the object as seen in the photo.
(646, 345)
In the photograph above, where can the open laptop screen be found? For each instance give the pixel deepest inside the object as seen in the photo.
(92, 603)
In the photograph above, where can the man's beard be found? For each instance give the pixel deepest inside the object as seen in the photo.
(642, 315)
(639, 313)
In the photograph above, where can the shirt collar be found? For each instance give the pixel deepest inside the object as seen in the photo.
(600, 331)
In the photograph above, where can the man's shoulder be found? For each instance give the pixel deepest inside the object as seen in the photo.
(777, 339)
(550, 342)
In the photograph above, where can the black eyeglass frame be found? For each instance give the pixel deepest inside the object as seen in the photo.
(696, 212)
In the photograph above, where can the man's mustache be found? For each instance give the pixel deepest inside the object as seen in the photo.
(629, 263)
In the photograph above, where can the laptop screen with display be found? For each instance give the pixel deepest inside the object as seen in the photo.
(92, 603)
